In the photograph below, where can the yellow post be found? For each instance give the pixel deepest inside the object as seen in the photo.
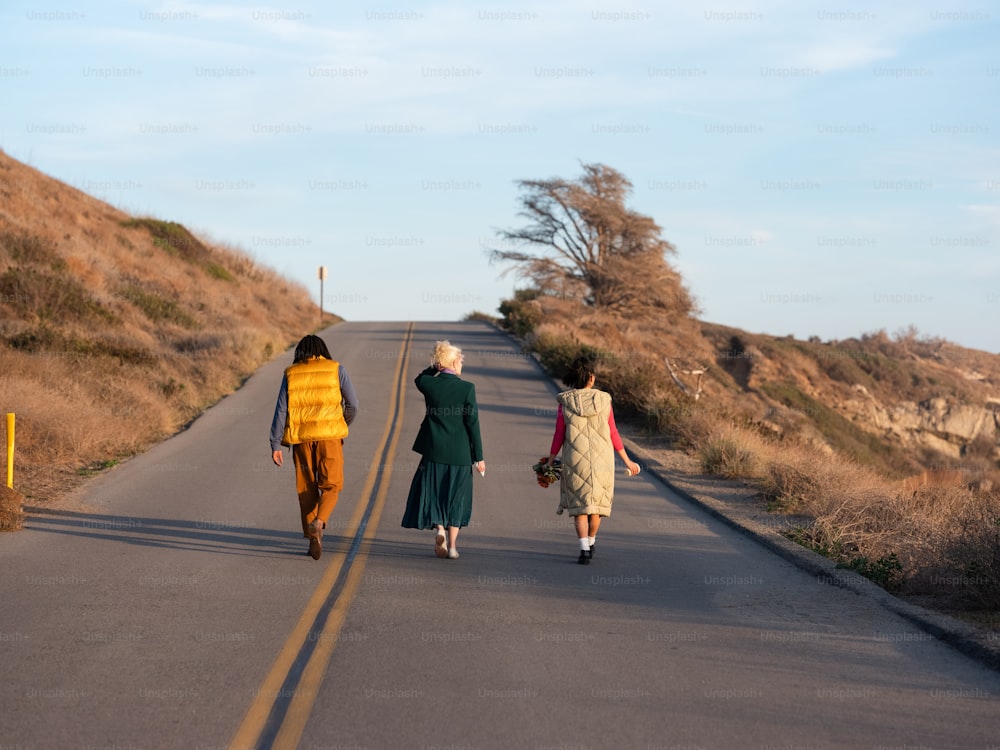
(10, 449)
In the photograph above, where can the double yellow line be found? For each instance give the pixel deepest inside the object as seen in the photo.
(278, 715)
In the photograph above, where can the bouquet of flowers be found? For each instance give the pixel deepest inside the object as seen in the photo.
(547, 473)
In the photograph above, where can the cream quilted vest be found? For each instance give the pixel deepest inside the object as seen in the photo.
(588, 458)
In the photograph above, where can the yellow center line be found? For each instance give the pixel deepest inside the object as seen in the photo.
(249, 731)
(303, 699)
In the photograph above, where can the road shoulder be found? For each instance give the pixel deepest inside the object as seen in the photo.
(735, 504)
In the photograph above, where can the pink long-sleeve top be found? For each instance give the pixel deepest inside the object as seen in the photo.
(560, 435)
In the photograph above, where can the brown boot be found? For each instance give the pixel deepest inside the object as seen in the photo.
(316, 539)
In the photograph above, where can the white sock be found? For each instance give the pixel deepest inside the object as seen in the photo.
(591, 541)
(584, 543)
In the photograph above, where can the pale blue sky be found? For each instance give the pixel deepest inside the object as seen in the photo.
(823, 168)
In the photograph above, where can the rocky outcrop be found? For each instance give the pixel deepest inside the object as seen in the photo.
(936, 423)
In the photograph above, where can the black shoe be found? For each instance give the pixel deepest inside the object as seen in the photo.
(584, 558)
(590, 552)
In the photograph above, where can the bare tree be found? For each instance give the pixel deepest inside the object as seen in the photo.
(582, 241)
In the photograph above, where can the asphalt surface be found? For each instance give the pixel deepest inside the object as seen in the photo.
(171, 604)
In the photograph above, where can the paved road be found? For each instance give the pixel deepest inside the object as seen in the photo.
(172, 605)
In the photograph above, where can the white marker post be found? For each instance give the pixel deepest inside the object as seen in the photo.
(322, 277)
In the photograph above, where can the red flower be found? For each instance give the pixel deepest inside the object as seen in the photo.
(547, 473)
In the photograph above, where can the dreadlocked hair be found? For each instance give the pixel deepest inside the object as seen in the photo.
(310, 346)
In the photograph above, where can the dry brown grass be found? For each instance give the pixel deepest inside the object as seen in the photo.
(939, 543)
(115, 332)
(11, 509)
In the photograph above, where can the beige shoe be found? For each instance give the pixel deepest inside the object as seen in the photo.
(440, 543)
(453, 554)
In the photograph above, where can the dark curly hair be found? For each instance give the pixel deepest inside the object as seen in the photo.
(580, 370)
(310, 346)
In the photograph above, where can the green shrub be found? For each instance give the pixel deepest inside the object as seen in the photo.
(886, 571)
(218, 271)
(44, 296)
(177, 240)
(520, 315)
(96, 467)
(38, 339)
(32, 250)
(44, 339)
(158, 309)
(480, 316)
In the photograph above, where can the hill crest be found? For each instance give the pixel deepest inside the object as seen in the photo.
(900, 404)
(117, 330)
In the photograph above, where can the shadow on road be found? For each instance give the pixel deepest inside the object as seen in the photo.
(181, 534)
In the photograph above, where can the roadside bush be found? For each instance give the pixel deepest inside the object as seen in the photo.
(788, 487)
(961, 541)
(672, 416)
(522, 314)
(557, 352)
(728, 455)
(886, 571)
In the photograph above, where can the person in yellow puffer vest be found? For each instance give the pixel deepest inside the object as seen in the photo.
(316, 403)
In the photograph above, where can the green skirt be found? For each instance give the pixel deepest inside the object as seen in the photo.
(440, 494)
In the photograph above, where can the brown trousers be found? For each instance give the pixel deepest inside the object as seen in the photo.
(319, 477)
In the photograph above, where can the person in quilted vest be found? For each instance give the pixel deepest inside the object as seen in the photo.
(588, 438)
(316, 403)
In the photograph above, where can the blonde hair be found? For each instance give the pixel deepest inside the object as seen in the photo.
(445, 354)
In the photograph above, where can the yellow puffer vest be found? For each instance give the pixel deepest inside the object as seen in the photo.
(315, 408)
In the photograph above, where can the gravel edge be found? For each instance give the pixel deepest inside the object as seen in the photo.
(709, 494)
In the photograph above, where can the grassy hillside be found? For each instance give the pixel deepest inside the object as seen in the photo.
(883, 449)
(116, 330)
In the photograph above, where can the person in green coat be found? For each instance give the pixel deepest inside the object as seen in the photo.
(450, 446)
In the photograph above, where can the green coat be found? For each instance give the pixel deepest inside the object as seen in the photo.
(449, 433)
